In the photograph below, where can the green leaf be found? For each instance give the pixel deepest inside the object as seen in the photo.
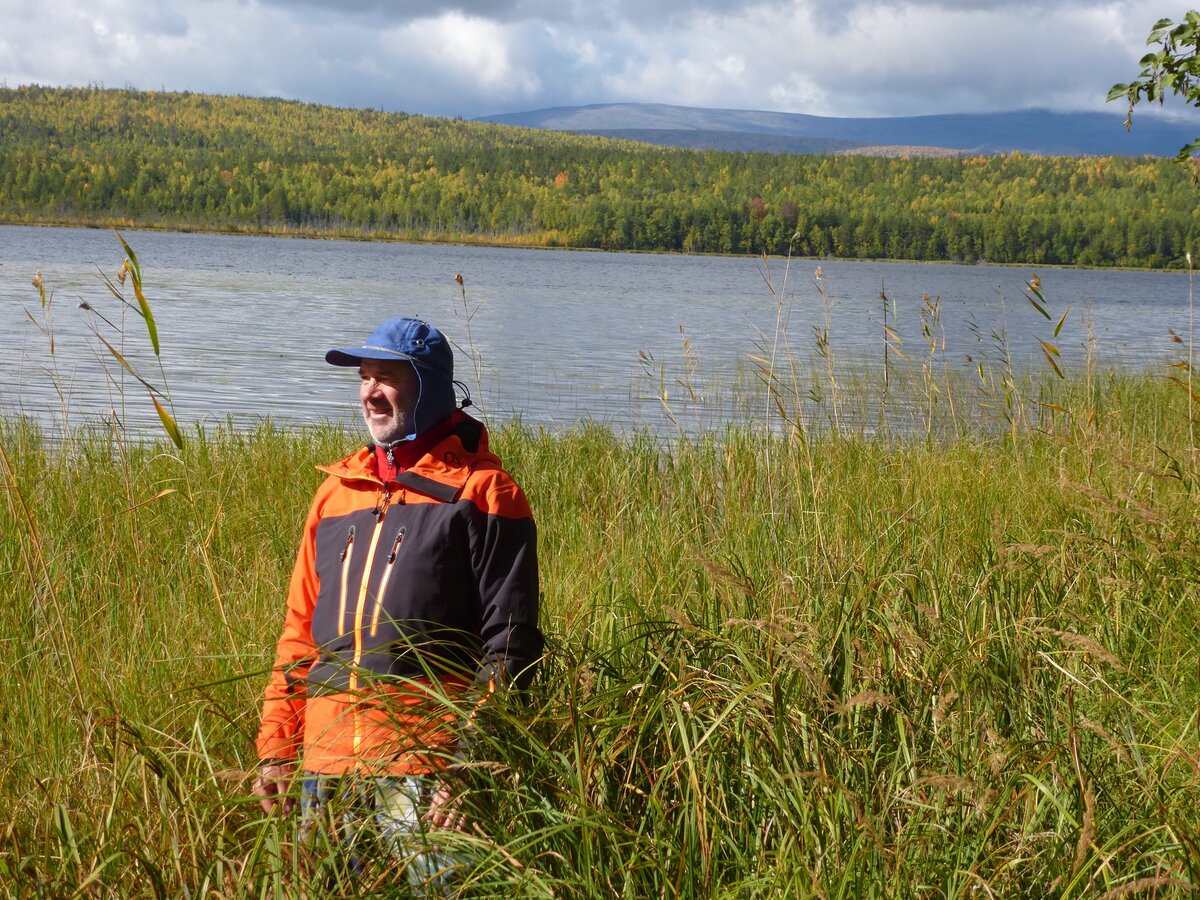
(1185, 153)
(1160, 27)
(1040, 307)
(66, 833)
(135, 266)
(135, 275)
(1058, 327)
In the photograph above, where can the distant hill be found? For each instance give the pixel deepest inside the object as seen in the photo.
(89, 156)
(1035, 131)
(735, 141)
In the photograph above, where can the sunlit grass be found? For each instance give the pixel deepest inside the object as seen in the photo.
(779, 665)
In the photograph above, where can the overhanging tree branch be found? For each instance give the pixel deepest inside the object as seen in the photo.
(1173, 69)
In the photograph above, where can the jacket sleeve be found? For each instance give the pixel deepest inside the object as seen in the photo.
(281, 733)
(504, 556)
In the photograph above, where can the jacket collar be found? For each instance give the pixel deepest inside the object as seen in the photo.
(440, 472)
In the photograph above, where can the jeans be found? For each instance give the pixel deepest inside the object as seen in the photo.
(386, 812)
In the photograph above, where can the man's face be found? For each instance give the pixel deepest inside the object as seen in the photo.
(388, 392)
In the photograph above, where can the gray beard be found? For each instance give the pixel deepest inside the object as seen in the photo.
(400, 428)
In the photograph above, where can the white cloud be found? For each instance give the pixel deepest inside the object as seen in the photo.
(796, 93)
(476, 51)
(473, 57)
(577, 49)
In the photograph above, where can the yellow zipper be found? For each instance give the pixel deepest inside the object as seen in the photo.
(387, 574)
(358, 615)
(346, 561)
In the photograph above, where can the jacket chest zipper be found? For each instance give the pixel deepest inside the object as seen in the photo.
(346, 560)
(387, 574)
(363, 586)
(380, 514)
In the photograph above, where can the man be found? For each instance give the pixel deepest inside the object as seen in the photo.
(416, 583)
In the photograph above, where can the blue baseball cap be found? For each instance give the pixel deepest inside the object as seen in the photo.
(401, 338)
(427, 349)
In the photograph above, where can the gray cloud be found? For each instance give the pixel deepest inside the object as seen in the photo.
(475, 57)
(560, 12)
(402, 11)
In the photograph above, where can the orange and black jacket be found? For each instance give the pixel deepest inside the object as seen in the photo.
(404, 593)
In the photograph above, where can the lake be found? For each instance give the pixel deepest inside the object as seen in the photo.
(561, 336)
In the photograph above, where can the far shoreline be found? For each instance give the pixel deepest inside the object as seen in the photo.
(517, 242)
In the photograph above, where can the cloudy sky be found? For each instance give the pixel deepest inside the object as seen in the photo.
(478, 57)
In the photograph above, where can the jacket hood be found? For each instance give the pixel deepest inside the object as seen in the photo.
(435, 399)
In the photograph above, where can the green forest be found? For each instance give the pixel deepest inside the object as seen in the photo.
(182, 160)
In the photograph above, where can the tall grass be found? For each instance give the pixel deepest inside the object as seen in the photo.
(798, 661)
(842, 667)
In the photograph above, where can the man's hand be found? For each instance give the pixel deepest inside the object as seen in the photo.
(271, 786)
(445, 810)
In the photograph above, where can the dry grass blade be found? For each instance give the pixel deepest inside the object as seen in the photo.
(165, 492)
(1052, 355)
(1148, 887)
(1061, 321)
(169, 423)
(127, 366)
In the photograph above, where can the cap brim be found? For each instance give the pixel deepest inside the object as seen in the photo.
(353, 356)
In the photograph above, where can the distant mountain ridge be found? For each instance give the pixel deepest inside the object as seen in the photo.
(1035, 131)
